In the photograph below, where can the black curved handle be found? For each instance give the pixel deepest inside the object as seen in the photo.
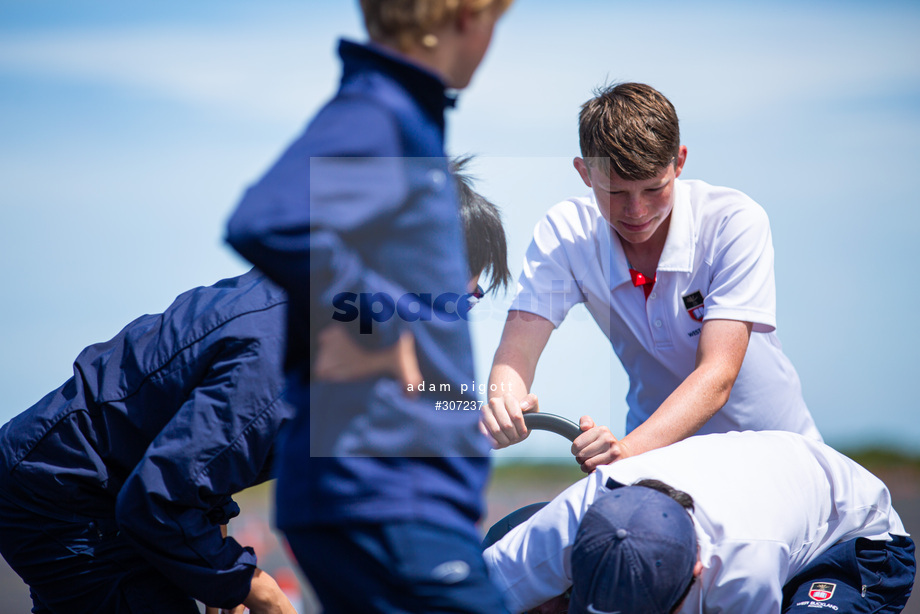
(553, 423)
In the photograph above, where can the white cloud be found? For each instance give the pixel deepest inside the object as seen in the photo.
(544, 59)
(718, 63)
(276, 72)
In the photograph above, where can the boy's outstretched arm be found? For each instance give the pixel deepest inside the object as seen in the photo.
(723, 344)
(523, 339)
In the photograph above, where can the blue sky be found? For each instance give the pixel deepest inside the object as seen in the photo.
(129, 130)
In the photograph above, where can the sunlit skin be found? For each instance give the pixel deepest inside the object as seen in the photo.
(639, 211)
(457, 47)
(339, 358)
(477, 28)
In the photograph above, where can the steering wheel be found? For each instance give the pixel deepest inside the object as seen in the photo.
(534, 422)
(553, 423)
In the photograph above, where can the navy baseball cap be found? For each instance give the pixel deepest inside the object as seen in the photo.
(634, 553)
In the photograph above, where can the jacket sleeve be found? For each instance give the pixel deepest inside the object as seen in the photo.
(334, 186)
(215, 445)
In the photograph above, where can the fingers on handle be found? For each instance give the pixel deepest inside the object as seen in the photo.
(530, 403)
(514, 427)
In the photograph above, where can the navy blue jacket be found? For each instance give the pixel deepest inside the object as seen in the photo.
(362, 204)
(158, 427)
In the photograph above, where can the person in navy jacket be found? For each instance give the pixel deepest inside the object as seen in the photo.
(358, 221)
(113, 488)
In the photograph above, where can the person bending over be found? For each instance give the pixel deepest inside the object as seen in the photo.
(755, 522)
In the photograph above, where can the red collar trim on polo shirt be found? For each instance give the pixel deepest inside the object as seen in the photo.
(638, 279)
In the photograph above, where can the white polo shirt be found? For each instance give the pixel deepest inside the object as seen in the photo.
(719, 250)
(766, 504)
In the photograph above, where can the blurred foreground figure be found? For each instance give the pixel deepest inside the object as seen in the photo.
(380, 484)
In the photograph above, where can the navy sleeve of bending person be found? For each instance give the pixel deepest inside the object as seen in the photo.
(159, 427)
(211, 448)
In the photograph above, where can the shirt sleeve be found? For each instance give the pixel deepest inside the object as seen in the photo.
(217, 444)
(333, 186)
(532, 563)
(547, 285)
(743, 285)
(744, 577)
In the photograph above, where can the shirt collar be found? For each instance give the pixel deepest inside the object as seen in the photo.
(679, 245)
(678, 250)
(612, 256)
(427, 88)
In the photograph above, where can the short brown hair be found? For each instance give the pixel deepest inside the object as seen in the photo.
(634, 126)
(406, 22)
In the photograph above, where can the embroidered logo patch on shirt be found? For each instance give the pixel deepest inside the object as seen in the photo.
(821, 591)
(693, 303)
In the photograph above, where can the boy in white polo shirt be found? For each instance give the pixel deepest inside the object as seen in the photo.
(677, 274)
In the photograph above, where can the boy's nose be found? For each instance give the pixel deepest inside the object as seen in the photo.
(634, 207)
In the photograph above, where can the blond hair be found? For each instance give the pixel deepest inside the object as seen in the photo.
(407, 23)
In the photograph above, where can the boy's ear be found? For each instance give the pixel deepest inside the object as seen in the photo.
(582, 167)
(464, 17)
(681, 160)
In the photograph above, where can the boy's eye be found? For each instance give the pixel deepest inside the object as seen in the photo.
(620, 192)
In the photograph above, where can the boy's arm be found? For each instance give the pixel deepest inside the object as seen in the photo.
(339, 358)
(240, 609)
(523, 339)
(265, 596)
(741, 298)
(721, 350)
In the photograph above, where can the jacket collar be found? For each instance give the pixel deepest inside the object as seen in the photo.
(425, 87)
